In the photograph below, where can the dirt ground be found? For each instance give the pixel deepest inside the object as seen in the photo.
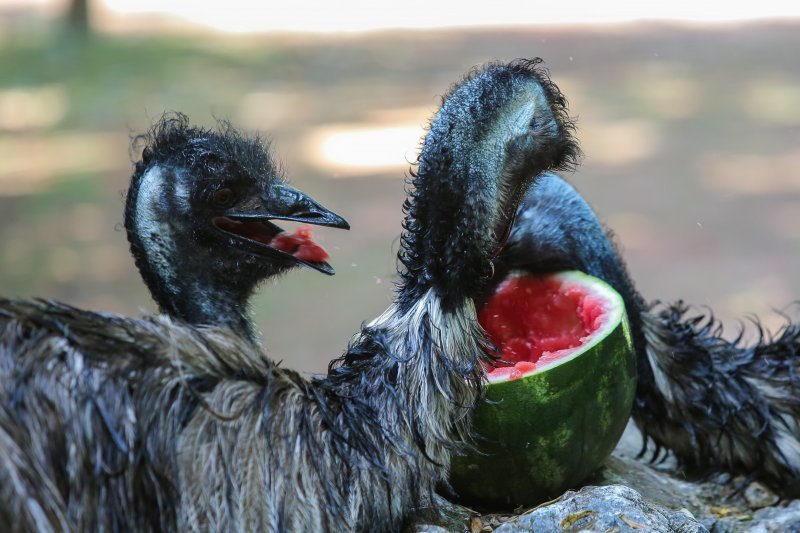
(691, 138)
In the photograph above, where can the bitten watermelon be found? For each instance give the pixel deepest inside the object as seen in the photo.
(560, 396)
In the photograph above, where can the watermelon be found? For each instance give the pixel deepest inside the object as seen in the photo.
(300, 244)
(559, 396)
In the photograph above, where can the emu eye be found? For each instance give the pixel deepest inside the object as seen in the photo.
(223, 197)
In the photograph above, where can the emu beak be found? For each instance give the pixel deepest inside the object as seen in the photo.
(251, 222)
(287, 203)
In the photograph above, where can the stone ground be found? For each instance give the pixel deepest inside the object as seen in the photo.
(629, 494)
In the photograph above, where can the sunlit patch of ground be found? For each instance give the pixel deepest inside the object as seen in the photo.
(382, 147)
(358, 149)
(32, 108)
(773, 99)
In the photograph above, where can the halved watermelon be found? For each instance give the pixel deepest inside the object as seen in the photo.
(560, 397)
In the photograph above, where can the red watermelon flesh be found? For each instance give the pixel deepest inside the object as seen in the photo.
(300, 244)
(534, 321)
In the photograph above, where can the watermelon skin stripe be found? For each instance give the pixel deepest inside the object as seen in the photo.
(544, 433)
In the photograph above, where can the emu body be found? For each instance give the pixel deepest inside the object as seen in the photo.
(717, 404)
(114, 423)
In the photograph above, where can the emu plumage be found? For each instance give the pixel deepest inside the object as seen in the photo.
(112, 423)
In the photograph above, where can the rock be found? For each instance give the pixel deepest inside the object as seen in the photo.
(776, 519)
(600, 509)
(444, 516)
(758, 496)
(717, 501)
(629, 493)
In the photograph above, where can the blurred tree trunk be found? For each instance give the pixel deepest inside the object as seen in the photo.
(78, 17)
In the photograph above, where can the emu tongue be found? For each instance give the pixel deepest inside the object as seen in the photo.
(249, 229)
(300, 245)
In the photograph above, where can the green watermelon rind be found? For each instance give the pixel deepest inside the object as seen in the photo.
(544, 433)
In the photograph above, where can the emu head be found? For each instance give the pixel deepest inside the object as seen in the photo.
(201, 215)
(496, 132)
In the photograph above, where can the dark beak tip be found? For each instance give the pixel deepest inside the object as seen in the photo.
(333, 220)
(328, 269)
(322, 267)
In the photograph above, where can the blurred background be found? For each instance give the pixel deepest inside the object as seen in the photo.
(689, 118)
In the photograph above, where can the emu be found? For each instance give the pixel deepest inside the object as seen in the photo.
(111, 423)
(717, 404)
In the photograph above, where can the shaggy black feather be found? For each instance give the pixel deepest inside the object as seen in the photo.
(113, 426)
(717, 404)
(737, 403)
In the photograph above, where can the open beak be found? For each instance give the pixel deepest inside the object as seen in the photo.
(250, 222)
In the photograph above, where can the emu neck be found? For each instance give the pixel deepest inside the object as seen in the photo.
(188, 281)
(470, 171)
(199, 301)
(192, 291)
